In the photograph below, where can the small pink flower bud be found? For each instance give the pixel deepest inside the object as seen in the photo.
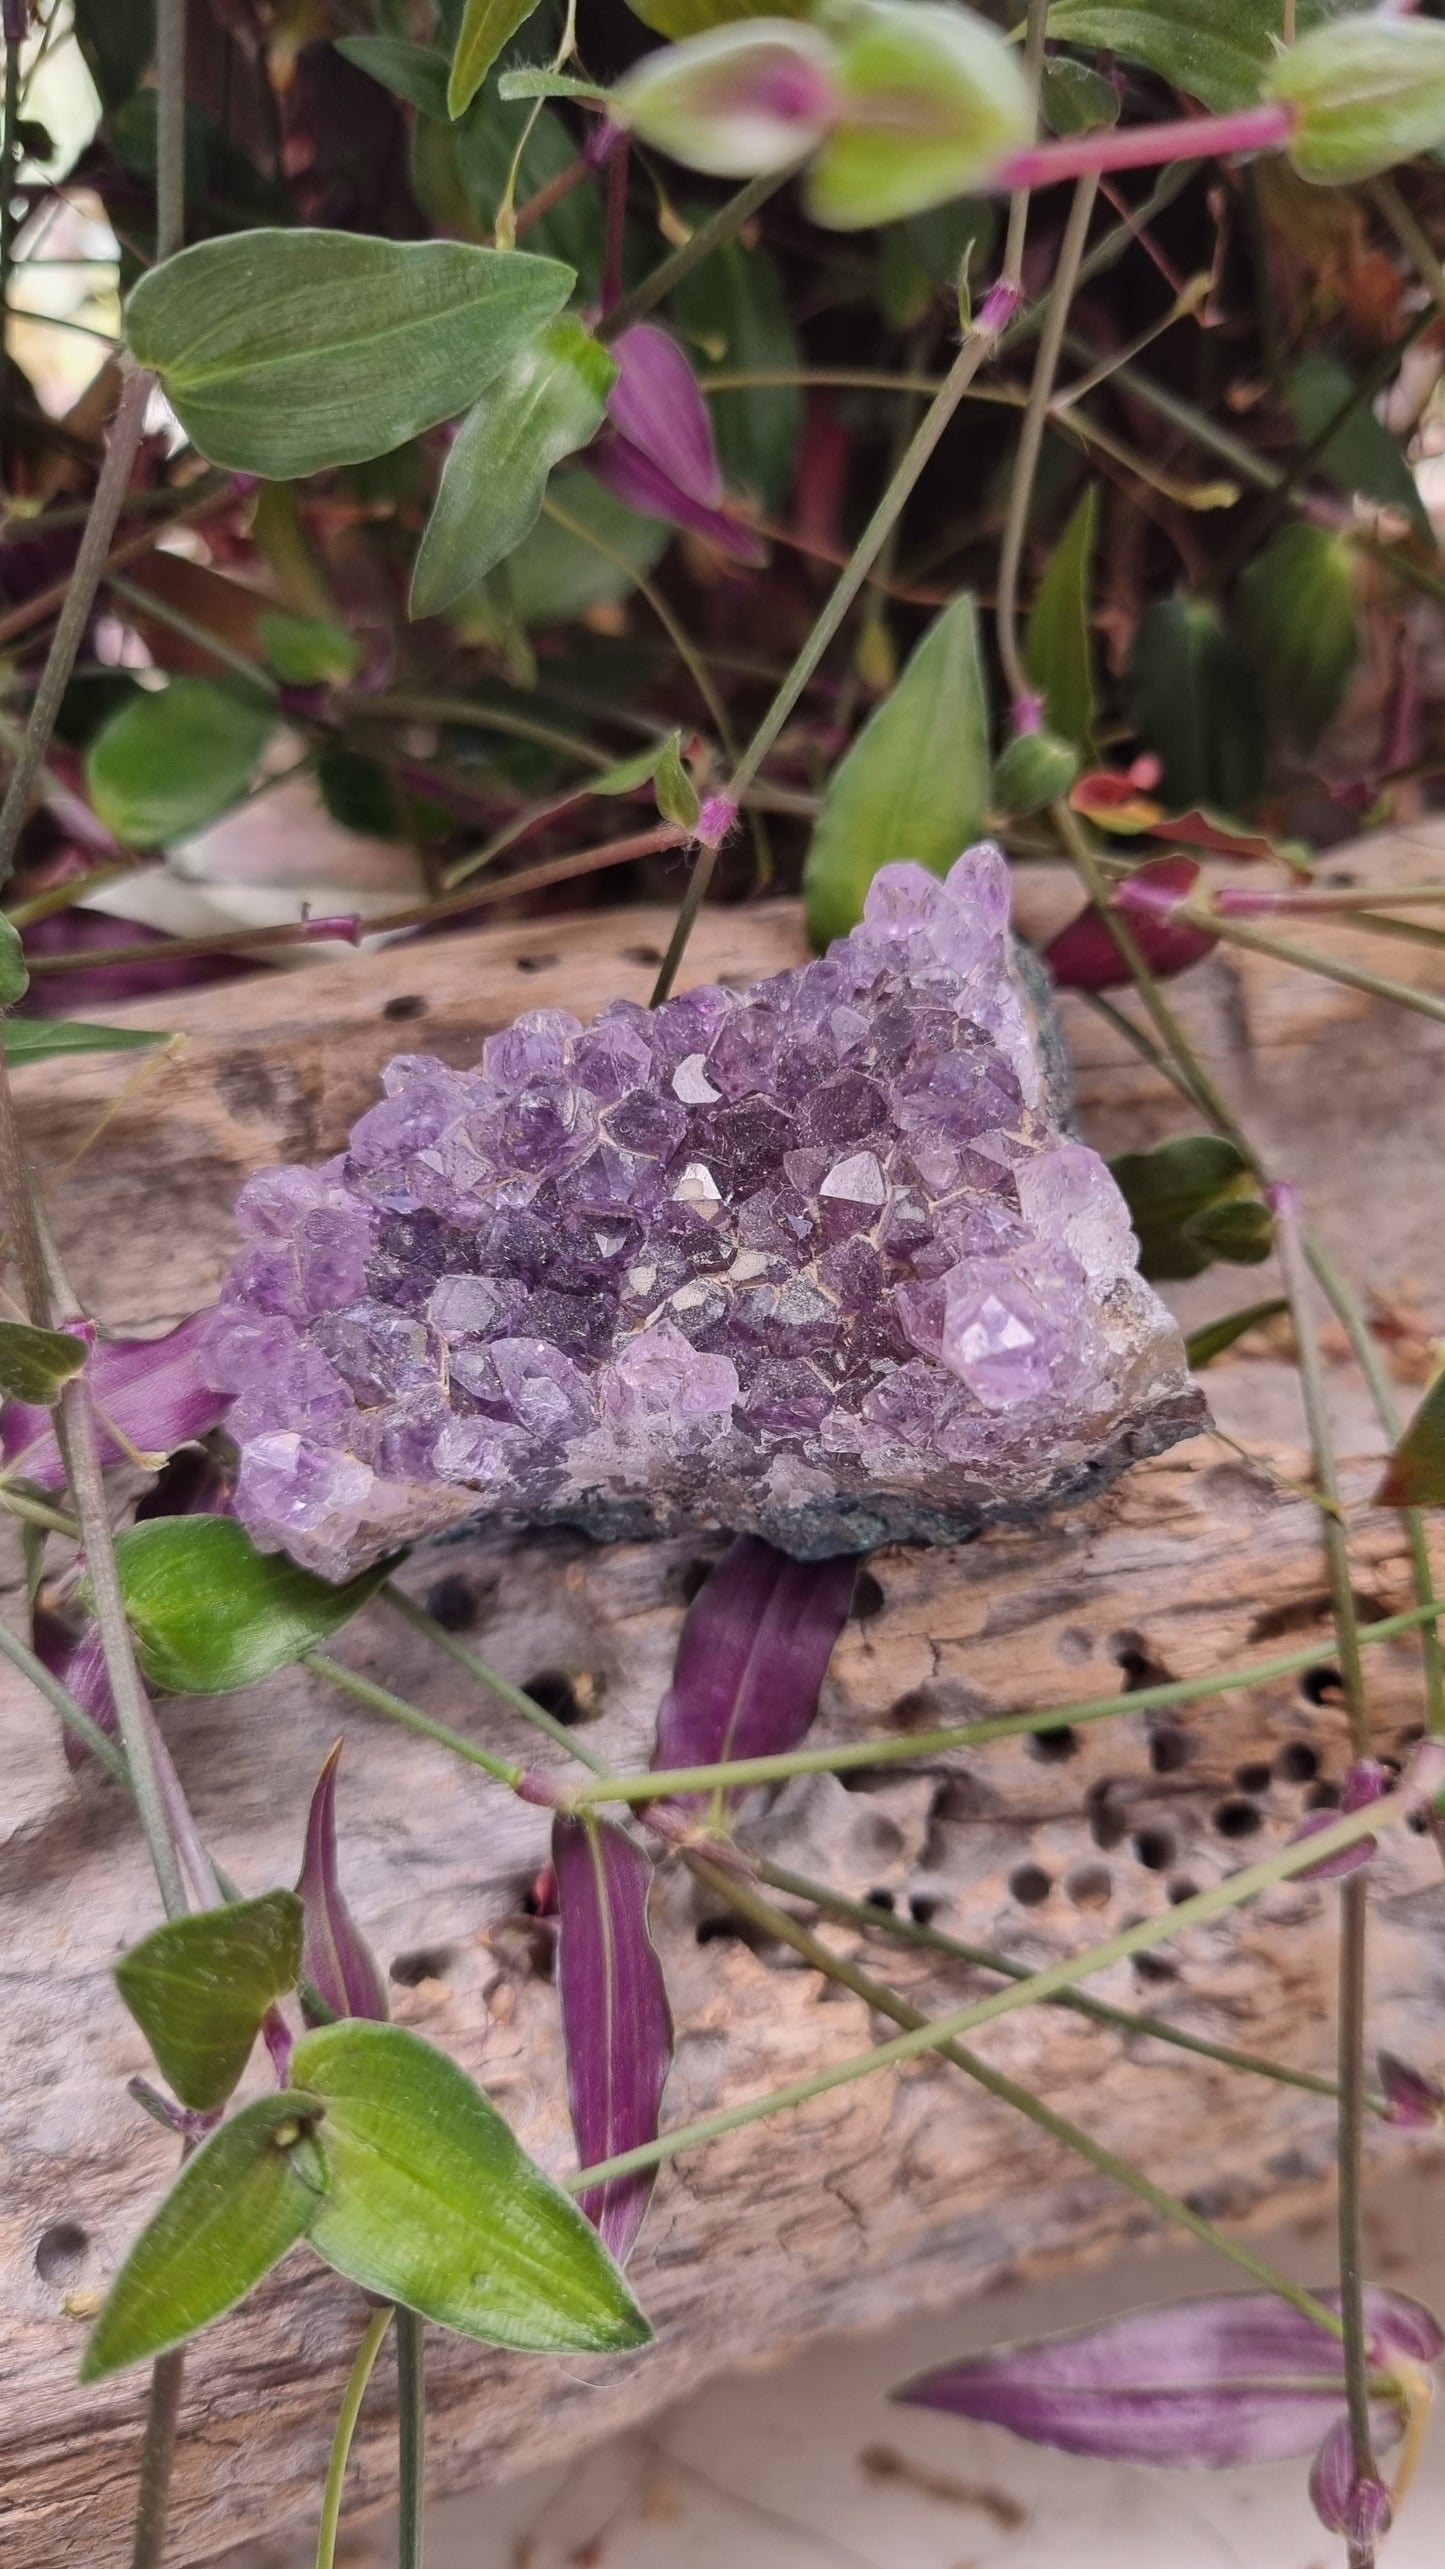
(737, 100)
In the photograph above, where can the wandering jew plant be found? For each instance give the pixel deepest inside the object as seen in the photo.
(818, 1262)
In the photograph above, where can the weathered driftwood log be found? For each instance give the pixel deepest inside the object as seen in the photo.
(903, 2189)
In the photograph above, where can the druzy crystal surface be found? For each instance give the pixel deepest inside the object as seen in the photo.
(818, 1260)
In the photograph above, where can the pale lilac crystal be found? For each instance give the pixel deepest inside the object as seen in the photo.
(819, 1260)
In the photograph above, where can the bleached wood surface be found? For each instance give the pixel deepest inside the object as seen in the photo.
(900, 2192)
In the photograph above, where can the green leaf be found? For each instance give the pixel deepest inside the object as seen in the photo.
(32, 1039)
(35, 1363)
(1192, 1201)
(247, 2196)
(551, 399)
(173, 760)
(556, 576)
(210, 1612)
(1217, 50)
(629, 773)
(734, 306)
(432, 2202)
(284, 352)
(359, 793)
(14, 971)
(677, 798)
(678, 18)
(487, 25)
(417, 73)
(198, 1988)
(1298, 623)
(1059, 642)
(309, 650)
(117, 39)
(1196, 701)
(1415, 1476)
(915, 782)
(1203, 1345)
(1074, 98)
(1362, 455)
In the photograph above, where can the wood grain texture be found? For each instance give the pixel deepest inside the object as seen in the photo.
(906, 2190)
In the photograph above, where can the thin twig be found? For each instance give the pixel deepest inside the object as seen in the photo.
(158, 2451)
(724, 225)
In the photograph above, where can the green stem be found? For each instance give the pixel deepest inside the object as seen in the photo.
(886, 2002)
(851, 1754)
(1351, 2063)
(1377, 985)
(1196, 1079)
(682, 643)
(75, 1430)
(1036, 29)
(355, 2393)
(878, 1921)
(381, 1700)
(492, 1678)
(1220, 1898)
(724, 225)
(157, 2455)
(461, 714)
(1106, 252)
(1294, 1274)
(170, 127)
(411, 2431)
(1367, 1356)
(1031, 432)
(978, 345)
(90, 561)
(199, 635)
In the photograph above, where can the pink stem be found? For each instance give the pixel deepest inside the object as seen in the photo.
(1190, 138)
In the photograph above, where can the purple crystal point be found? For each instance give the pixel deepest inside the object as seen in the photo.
(819, 1261)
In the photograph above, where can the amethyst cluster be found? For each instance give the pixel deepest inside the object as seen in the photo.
(817, 1260)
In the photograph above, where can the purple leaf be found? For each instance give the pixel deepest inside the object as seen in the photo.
(753, 1655)
(1359, 2509)
(632, 477)
(657, 405)
(1204, 2385)
(147, 1389)
(1412, 2100)
(1083, 956)
(335, 1957)
(79, 1663)
(616, 2023)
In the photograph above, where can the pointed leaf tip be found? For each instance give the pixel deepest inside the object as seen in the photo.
(1202, 2385)
(335, 1958)
(432, 2201)
(245, 2198)
(616, 2022)
(753, 1655)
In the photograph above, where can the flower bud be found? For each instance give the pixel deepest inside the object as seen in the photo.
(336, 1960)
(1413, 2101)
(1365, 93)
(934, 102)
(1036, 768)
(1357, 2508)
(738, 100)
